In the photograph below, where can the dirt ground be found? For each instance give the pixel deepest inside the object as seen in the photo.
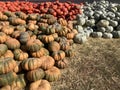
(95, 66)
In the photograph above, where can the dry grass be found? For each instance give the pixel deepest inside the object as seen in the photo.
(96, 66)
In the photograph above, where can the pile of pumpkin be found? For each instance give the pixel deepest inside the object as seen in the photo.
(67, 10)
(33, 49)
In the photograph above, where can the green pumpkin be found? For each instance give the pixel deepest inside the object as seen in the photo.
(3, 49)
(34, 45)
(69, 53)
(52, 74)
(116, 34)
(32, 16)
(31, 63)
(7, 64)
(24, 37)
(20, 55)
(8, 78)
(21, 15)
(12, 43)
(96, 34)
(35, 75)
(20, 82)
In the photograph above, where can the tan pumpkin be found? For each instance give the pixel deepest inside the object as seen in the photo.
(16, 34)
(58, 55)
(40, 85)
(18, 67)
(55, 35)
(52, 74)
(32, 21)
(9, 53)
(3, 17)
(12, 43)
(21, 15)
(62, 63)
(35, 75)
(34, 45)
(31, 63)
(32, 26)
(17, 21)
(7, 64)
(3, 49)
(51, 20)
(47, 38)
(47, 62)
(21, 28)
(3, 37)
(70, 35)
(54, 46)
(62, 21)
(20, 55)
(8, 30)
(40, 53)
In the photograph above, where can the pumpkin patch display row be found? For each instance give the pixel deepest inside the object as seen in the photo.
(33, 49)
(64, 10)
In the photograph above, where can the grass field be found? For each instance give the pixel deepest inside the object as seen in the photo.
(95, 66)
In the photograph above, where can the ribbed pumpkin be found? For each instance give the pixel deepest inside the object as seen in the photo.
(3, 37)
(18, 67)
(21, 15)
(62, 21)
(47, 62)
(62, 63)
(19, 83)
(51, 20)
(70, 35)
(20, 55)
(9, 53)
(20, 28)
(52, 74)
(32, 21)
(40, 85)
(69, 53)
(16, 21)
(58, 55)
(3, 17)
(9, 14)
(24, 37)
(35, 75)
(31, 63)
(8, 29)
(50, 30)
(55, 35)
(54, 46)
(40, 53)
(12, 43)
(63, 31)
(47, 38)
(32, 27)
(16, 34)
(3, 49)
(8, 78)
(32, 16)
(64, 45)
(7, 64)
(34, 45)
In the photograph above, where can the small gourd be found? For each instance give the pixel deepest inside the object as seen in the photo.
(107, 35)
(54, 46)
